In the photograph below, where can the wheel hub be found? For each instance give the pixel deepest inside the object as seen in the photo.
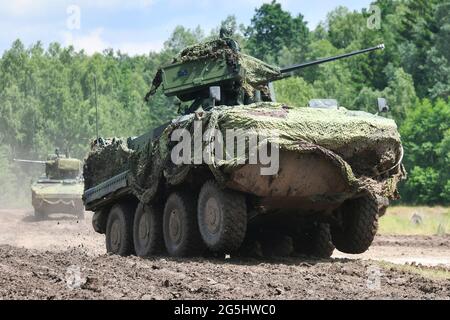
(212, 215)
(175, 231)
(116, 235)
(144, 229)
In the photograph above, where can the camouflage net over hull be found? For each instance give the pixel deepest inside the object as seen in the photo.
(370, 144)
(365, 148)
(105, 161)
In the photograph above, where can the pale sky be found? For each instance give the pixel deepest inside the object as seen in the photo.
(134, 26)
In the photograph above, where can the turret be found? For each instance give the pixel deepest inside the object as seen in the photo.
(58, 167)
(218, 72)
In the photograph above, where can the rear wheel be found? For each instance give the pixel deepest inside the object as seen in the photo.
(222, 218)
(315, 242)
(358, 225)
(119, 230)
(147, 231)
(180, 227)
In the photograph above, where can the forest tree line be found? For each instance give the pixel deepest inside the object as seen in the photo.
(47, 94)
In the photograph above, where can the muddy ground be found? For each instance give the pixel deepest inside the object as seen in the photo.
(63, 258)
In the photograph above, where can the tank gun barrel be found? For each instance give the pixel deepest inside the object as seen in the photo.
(30, 161)
(287, 70)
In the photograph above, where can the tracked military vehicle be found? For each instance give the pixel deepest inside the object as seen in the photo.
(337, 169)
(60, 189)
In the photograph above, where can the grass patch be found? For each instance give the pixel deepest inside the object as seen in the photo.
(416, 221)
(433, 273)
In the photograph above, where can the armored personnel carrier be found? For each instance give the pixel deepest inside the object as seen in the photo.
(314, 177)
(60, 189)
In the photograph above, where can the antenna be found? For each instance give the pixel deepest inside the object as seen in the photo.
(96, 107)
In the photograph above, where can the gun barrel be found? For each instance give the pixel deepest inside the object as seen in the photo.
(30, 161)
(325, 60)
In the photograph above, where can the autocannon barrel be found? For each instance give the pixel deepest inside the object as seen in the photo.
(325, 60)
(30, 161)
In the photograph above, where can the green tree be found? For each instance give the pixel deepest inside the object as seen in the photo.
(425, 134)
(344, 26)
(272, 29)
(294, 91)
(182, 38)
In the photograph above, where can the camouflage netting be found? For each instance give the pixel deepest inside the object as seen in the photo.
(106, 160)
(362, 145)
(369, 143)
(257, 71)
(366, 148)
(208, 50)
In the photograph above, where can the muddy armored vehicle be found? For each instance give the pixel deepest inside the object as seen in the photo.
(60, 189)
(335, 170)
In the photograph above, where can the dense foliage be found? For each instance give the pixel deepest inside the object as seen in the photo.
(47, 94)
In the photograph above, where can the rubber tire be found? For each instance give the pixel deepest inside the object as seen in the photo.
(359, 225)
(190, 243)
(155, 241)
(316, 242)
(100, 220)
(232, 227)
(123, 214)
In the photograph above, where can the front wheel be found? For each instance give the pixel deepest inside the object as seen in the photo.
(358, 225)
(222, 218)
(119, 230)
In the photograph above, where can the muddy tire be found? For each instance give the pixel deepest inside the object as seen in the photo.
(222, 218)
(180, 229)
(119, 230)
(148, 231)
(316, 242)
(358, 227)
(100, 220)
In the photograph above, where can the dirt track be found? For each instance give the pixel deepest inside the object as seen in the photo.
(63, 258)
